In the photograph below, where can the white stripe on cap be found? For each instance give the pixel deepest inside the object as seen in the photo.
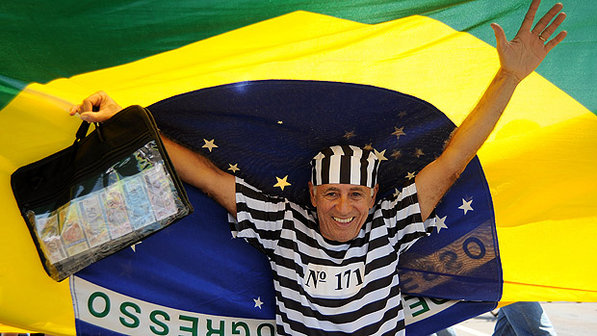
(355, 174)
(334, 174)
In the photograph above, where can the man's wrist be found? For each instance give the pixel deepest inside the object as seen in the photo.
(508, 77)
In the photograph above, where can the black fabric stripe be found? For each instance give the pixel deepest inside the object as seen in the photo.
(400, 324)
(381, 262)
(313, 172)
(327, 152)
(405, 202)
(262, 234)
(280, 330)
(411, 219)
(242, 207)
(325, 170)
(390, 314)
(374, 175)
(364, 168)
(257, 195)
(297, 327)
(291, 265)
(411, 237)
(345, 169)
(325, 165)
(347, 150)
(364, 174)
(403, 223)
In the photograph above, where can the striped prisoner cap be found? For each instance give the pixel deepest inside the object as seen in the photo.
(345, 164)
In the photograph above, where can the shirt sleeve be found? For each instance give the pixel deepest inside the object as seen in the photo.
(259, 217)
(402, 215)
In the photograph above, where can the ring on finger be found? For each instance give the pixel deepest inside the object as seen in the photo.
(541, 38)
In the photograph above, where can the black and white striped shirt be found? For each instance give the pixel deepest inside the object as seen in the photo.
(325, 287)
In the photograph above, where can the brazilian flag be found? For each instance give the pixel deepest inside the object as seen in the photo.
(258, 87)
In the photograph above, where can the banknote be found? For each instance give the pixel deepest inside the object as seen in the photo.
(114, 204)
(137, 202)
(71, 229)
(94, 222)
(160, 189)
(47, 230)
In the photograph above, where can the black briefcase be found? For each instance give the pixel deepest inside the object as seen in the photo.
(108, 190)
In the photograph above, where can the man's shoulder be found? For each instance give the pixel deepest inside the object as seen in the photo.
(398, 198)
(249, 190)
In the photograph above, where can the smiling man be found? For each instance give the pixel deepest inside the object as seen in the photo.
(335, 266)
(342, 209)
(343, 190)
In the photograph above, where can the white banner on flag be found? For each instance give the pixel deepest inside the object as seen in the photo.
(130, 316)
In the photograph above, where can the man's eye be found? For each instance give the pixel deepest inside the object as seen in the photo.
(357, 195)
(330, 194)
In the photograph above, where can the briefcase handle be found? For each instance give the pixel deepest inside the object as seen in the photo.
(82, 131)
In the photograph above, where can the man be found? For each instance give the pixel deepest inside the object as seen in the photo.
(335, 268)
(523, 319)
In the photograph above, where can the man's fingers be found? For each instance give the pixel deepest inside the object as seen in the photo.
(500, 35)
(527, 23)
(96, 99)
(99, 116)
(96, 108)
(553, 26)
(546, 19)
(74, 109)
(555, 41)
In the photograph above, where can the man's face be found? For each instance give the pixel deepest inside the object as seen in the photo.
(342, 209)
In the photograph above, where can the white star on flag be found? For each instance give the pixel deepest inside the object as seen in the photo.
(349, 134)
(396, 193)
(282, 183)
(258, 302)
(398, 132)
(440, 223)
(134, 246)
(233, 167)
(466, 206)
(410, 175)
(209, 144)
(380, 155)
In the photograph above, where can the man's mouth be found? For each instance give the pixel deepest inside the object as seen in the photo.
(343, 220)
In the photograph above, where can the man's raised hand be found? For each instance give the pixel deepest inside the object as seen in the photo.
(523, 54)
(105, 106)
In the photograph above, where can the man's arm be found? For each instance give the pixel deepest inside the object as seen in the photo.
(518, 58)
(198, 171)
(192, 167)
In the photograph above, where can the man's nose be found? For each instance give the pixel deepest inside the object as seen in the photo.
(343, 204)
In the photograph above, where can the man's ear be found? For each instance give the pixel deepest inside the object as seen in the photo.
(312, 194)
